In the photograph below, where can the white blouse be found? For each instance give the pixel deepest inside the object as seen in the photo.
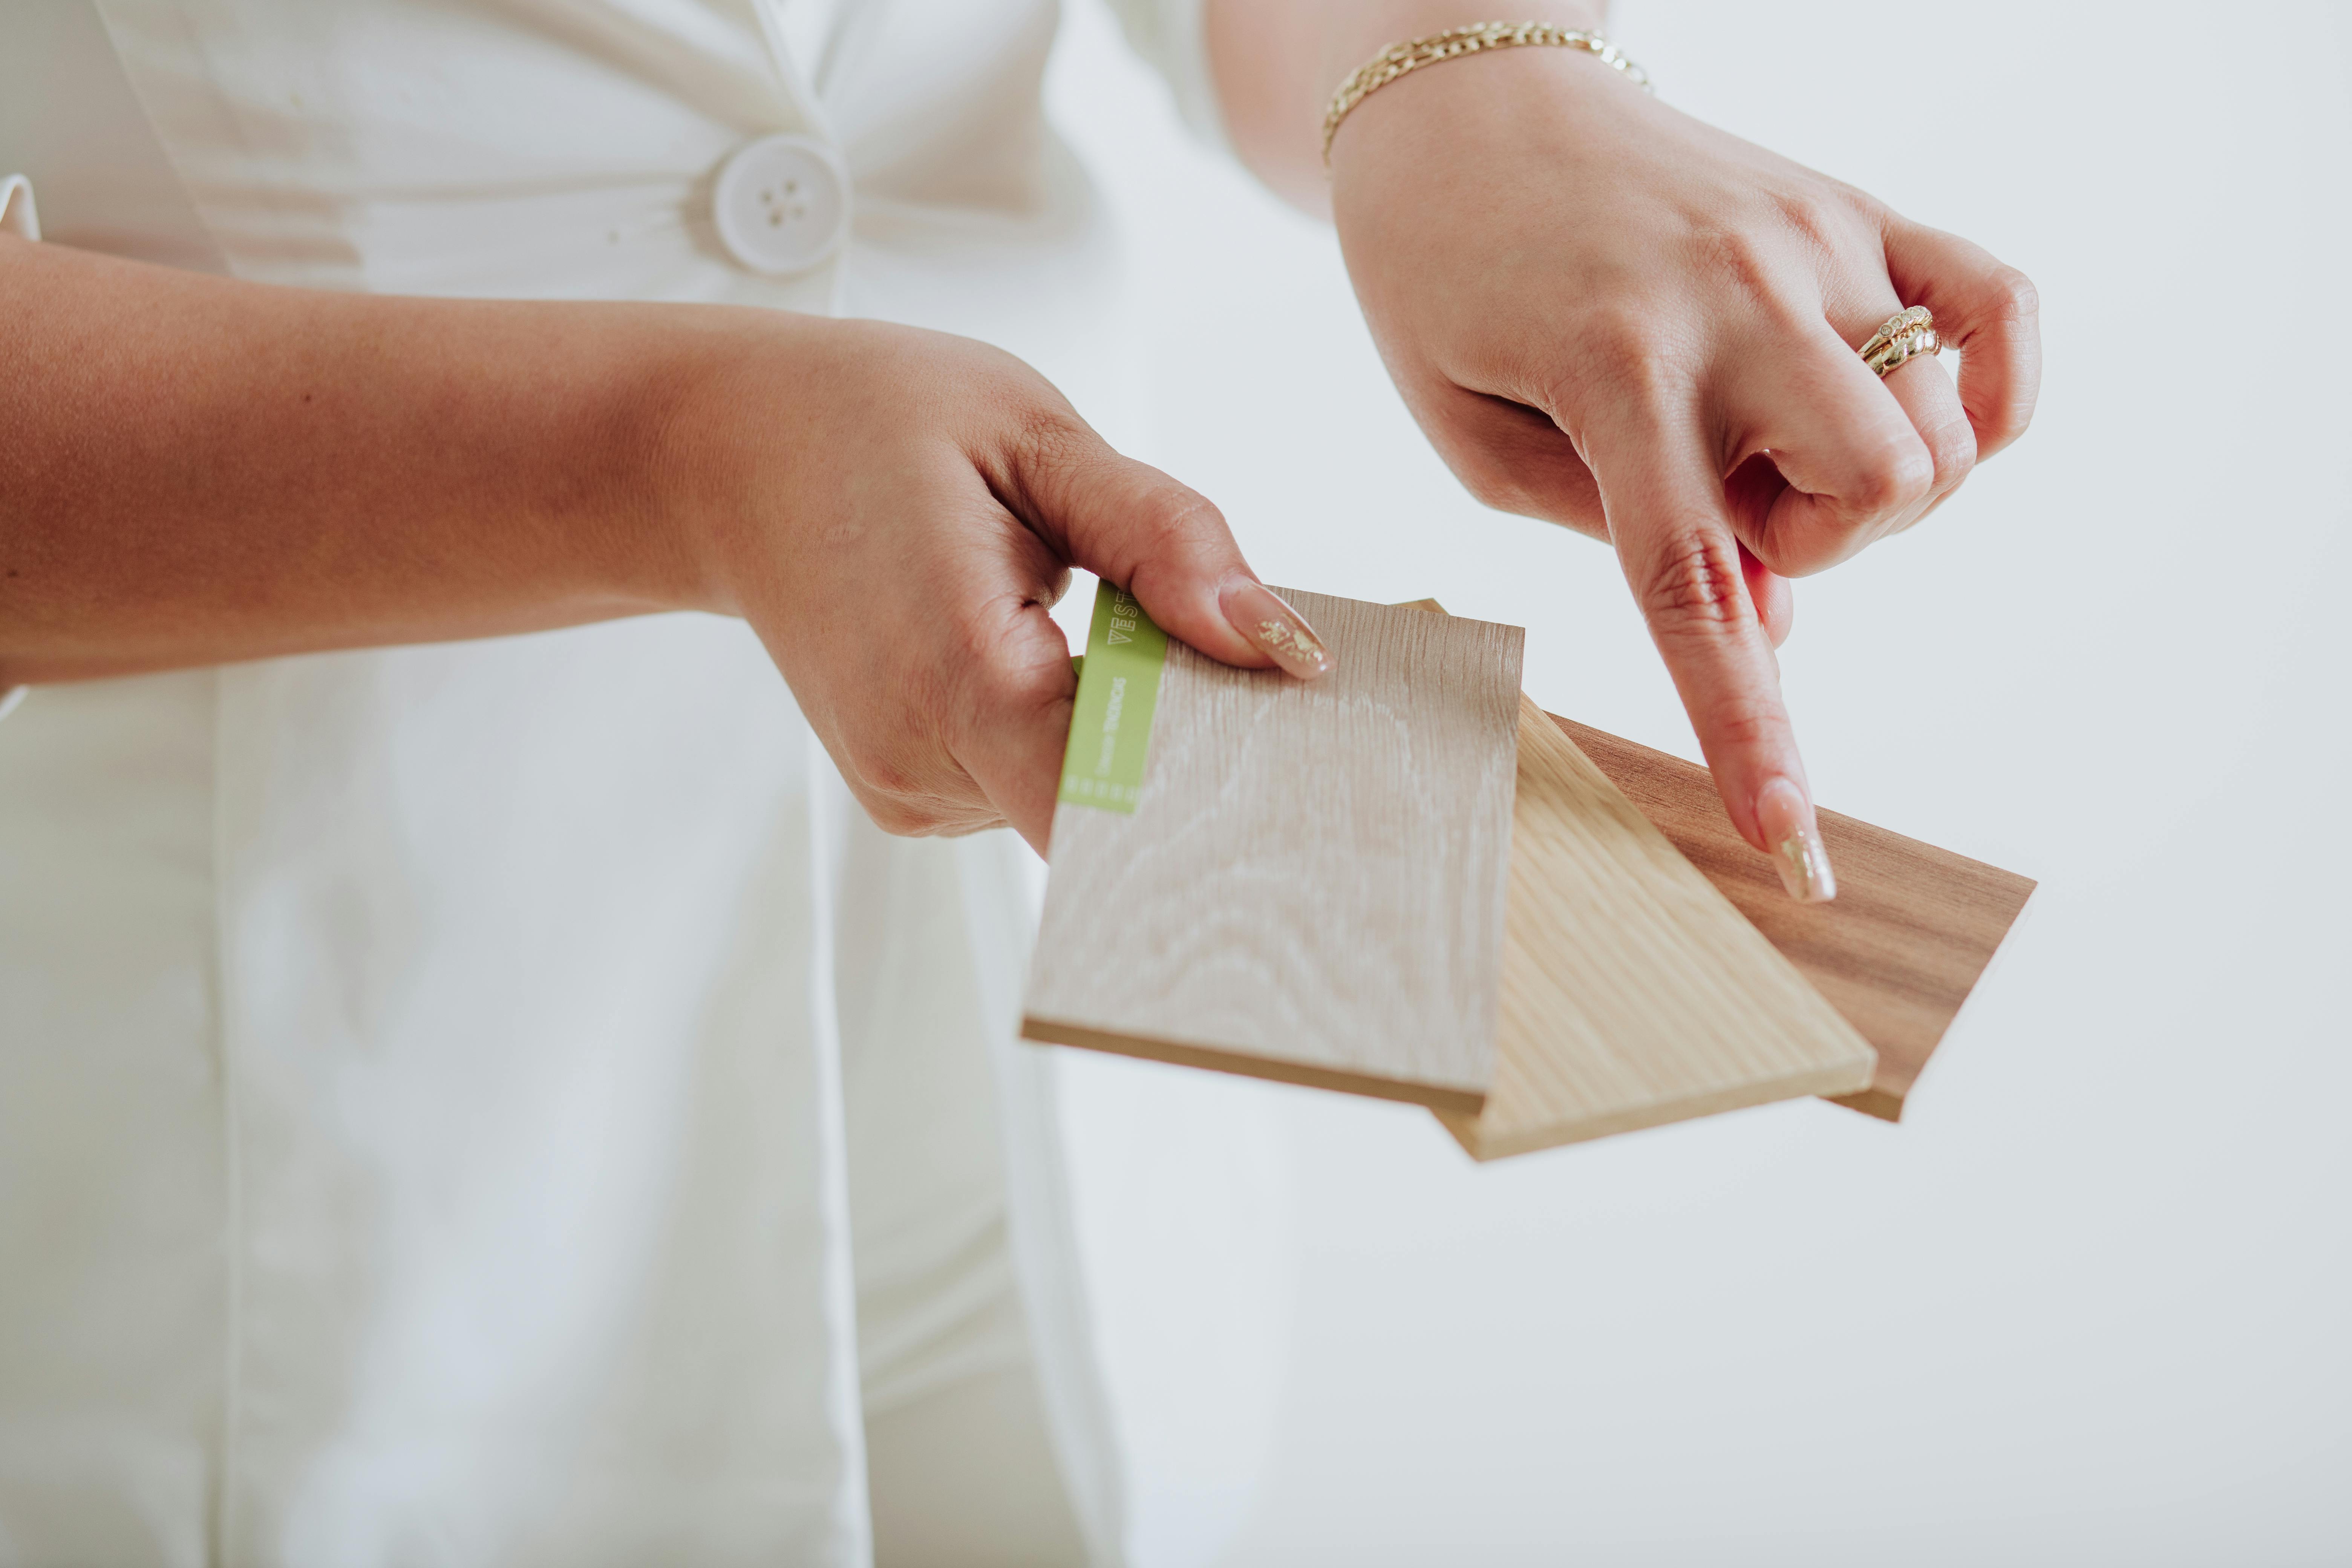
(500, 1103)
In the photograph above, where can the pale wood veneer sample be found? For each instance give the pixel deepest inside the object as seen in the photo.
(1633, 993)
(1311, 886)
(1909, 934)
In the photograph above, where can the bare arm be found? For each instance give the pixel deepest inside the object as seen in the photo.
(1277, 65)
(196, 470)
(1607, 314)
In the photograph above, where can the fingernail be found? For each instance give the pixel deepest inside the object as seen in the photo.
(1787, 819)
(1258, 615)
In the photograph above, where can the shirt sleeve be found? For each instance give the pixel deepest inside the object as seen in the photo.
(18, 217)
(1173, 36)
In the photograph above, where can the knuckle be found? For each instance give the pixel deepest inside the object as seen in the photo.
(1627, 363)
(1893, 476)
(891, 765)
(1952, 449)
(966, 824)
(1512, 457)
(888, 787)
(1621, 344)
(890, 797)
(1693, 587)
(1754, 264)
(1042, 435)
(1489, 483)
(908, 801)
(1001, 677)
(974, 639)
(989, 668)
(1827, 223)
(2015, 299)
(1171, 513)
(1615, 331)
(898, 818)
(999, 692)
(1787, 552)
(2006, 426)
(1807, 216)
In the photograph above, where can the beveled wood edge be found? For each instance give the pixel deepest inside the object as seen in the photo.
(1895, 1097)
(1843, 1079)
(1892, 1084)
(1885, 1104)
(1437, 1098)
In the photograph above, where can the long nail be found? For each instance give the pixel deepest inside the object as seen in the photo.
(1786, 818)
(1258, 615)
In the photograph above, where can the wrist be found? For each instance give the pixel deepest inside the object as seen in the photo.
(1549, 100)
(1276, 65)
(1354, 33)
(710, 480)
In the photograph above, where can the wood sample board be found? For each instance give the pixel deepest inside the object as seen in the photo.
(1311, 886)
(1633, 993)
(1911, 932)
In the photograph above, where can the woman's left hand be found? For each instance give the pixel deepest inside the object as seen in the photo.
(1608, 314)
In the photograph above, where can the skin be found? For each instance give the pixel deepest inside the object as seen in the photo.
(1603, 313)
(205, 470)
(1608, 315)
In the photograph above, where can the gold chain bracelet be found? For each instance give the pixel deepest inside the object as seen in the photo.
(1451, 45)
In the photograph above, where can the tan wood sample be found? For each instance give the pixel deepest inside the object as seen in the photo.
(1311, 886)
(1633, 993)
(1909, 934)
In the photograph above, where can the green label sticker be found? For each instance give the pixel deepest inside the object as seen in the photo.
(1118, 686)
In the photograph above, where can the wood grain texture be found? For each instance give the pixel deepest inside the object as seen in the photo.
(1896, 953)
(1633, 993)
(1311, 888)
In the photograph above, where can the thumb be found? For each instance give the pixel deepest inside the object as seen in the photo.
(1769, 592)
(1163, 542)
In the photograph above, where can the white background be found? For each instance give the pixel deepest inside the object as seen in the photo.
(2090, 1302)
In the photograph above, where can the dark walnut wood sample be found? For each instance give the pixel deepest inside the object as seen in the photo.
(1896, 953)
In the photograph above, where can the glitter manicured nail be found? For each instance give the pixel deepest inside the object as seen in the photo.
(1260, 616)
(1787, 819)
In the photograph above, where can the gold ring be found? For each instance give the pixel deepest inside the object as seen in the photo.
(1902, 338)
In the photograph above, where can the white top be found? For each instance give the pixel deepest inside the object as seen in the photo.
(439, 1085)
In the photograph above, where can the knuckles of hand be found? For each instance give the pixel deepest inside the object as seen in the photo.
(912, 788)
(910, 816)
(1951, 453)
(1891, 480)
(899, 795)
(1830, 222)
(2011, 299)
(1690, 586)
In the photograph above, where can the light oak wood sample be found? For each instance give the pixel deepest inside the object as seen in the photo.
(1896, 953)
(1633, 993)
(1311, 886)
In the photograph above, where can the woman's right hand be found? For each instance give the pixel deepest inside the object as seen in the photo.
(200, 470)
(894, 511)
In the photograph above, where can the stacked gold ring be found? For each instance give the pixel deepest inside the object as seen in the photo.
(1903, 338)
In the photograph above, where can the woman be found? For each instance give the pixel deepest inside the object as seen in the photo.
(495, 1098)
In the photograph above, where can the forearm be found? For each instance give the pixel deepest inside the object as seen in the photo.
(1277, 62)
(196, 470)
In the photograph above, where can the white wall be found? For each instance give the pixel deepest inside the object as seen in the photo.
(2090, 1302)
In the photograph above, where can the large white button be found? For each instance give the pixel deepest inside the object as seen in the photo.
(783, 204)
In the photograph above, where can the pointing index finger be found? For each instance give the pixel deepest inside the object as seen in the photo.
(1663, 498)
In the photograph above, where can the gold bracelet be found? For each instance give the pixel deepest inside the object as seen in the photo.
(1452, 44)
